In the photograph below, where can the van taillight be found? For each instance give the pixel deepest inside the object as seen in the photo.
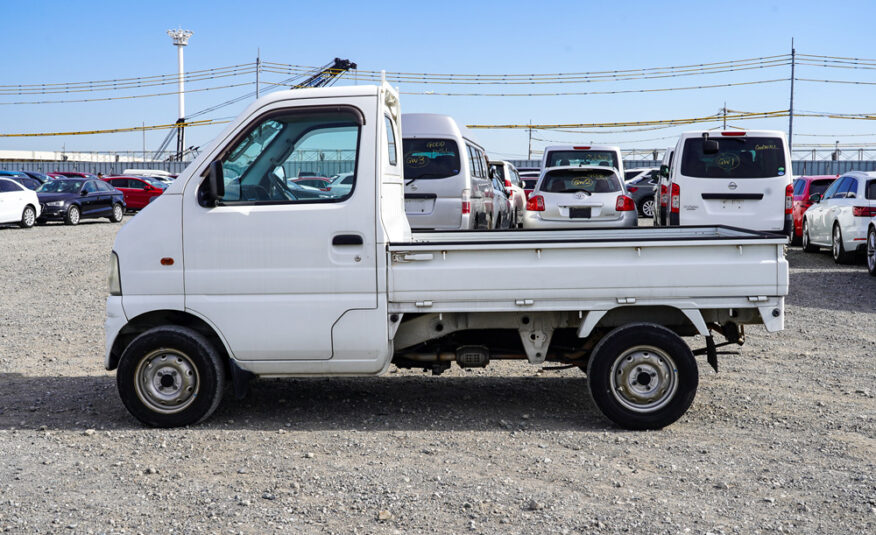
(624, 204)
(632, 189)
(663, 195)
(864, 211)
(789, 198)
(675, 199)
(466, 201)
(535, 204)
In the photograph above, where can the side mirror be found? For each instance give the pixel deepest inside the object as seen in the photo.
(815, 198)
(664, 170)
(83, 193)
(214, 185)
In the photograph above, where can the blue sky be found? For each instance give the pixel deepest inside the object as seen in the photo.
(95, 40)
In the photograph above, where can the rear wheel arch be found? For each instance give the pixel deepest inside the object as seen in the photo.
(158, 318)
(672, 318)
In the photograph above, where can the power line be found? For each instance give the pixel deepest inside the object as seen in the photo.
(126, 97)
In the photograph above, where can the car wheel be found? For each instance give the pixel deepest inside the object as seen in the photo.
(118, 213)
(73, 215)
(871, 250)
(170, 376)
(807, 244)
(840, 256)
(647, 208)
(28, 217)
(642, 376)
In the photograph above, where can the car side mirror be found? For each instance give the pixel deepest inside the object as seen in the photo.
(664, 170)
(214, 185)
(815, 198)
(83, 193)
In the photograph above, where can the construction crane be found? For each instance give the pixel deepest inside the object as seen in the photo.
(327, 75)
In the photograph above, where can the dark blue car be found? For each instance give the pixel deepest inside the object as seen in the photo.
(72, 199)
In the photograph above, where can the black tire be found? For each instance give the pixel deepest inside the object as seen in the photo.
(28, 217)
(170, 377)
(631, 352)
(871, 250)
(807, 243)
(118, 213)
(838, 251)
(73, 215)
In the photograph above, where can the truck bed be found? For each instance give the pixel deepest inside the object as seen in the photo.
(597, 269)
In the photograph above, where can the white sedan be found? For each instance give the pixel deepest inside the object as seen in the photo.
(840, 216)
(18, 204)
(579, 197)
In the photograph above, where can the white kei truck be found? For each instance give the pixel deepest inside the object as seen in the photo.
(236, 272)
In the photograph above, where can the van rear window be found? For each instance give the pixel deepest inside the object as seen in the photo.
(570, 181)
(430, 158)
(607, 158)
(737, 157)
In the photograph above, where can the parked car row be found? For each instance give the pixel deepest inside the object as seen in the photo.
(29, 198)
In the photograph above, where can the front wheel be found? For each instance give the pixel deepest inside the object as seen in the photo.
(642, 376)
(73, 215)
(871, 251)
(647, 208)
(807, 243)
(28, 217)
(118, 213)
(170, 376)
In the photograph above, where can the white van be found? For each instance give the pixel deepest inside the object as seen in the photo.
(735, 178)
(447, 175)
(578, 155)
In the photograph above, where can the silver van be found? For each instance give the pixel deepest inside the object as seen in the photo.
(446, 173)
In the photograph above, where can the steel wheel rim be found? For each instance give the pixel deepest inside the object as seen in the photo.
(836, 242)
(871, 250)
(632, 368)
(29, 216)
(74, 215)
(166, 381)
(117, 212)
(648, 208)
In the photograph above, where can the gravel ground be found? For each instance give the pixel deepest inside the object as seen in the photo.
(781, 440)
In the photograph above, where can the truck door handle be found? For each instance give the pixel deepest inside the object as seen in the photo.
(347, 239)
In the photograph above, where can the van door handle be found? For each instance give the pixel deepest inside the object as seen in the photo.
(347, 239)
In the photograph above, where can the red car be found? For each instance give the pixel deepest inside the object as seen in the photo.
(805, 186)
(139, 191)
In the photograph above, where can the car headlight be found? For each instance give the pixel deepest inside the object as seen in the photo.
(55, 203)
(114, 279)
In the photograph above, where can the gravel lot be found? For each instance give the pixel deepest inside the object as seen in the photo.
(781, 440)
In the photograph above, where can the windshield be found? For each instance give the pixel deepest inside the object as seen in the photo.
(498, 171)
(430, 158)
(737, 157)
(61, 186)
(559, 158)
(571, 181)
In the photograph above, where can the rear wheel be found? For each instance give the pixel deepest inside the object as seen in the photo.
(28, 217)
(807, 244)
(871, 250)
(642, 376)
(118, 213)
(170, 376)
(840, 256)
(73, 215)
(647, 208)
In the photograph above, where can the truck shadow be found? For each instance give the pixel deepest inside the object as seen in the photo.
(549, 402)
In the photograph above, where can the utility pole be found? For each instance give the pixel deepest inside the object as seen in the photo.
(529, 152)
(180, 39)
(725, 115)
(144, 141)
(791, 107)
(258, 68)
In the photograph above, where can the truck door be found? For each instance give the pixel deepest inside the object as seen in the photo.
(274, 265)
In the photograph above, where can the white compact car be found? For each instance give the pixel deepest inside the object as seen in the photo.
(579, 197)
(18, 204)
(514, 188)
(839, 218)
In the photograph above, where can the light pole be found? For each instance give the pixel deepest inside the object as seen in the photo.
(180, 39)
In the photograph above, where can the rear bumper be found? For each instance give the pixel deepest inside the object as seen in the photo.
(533, 220)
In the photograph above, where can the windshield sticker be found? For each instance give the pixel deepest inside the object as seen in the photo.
(587, 182)
(728, 161)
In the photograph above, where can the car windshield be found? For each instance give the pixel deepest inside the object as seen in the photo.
(61, 186)
(605, 158)
(573, 180)
(737, 157)
(430, 158)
